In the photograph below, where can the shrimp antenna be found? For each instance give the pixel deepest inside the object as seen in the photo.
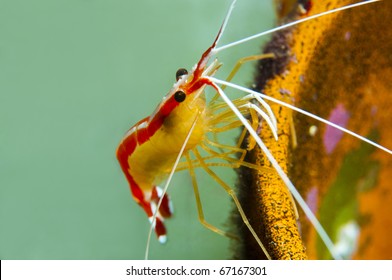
(257, 95)
(319, 228)
(154, 217)
(210, 51)
(216, 50)
(225, 21)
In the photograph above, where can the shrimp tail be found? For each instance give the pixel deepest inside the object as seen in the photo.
(165, 211)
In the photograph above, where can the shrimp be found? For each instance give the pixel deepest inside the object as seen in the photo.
(184, 122)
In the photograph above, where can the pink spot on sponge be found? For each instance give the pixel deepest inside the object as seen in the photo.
(332, 136)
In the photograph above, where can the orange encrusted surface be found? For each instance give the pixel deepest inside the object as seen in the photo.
(339, 68)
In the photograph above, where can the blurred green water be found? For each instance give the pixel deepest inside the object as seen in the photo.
(74, 76)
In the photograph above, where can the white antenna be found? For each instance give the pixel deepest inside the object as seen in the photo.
(223, 27)
(258, 95)
(216, 50)
(154, 217)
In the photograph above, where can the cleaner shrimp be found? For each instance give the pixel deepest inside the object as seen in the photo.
(186, 123)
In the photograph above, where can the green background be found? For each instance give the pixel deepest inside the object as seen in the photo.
(74, 76)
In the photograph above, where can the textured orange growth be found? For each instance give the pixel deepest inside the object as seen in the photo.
(337, 60)
(376, 205)
(277, 212)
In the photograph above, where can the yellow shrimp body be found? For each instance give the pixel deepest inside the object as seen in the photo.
(154, 159)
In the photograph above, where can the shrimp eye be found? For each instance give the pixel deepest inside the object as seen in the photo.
(179, 96)
(181, 72)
